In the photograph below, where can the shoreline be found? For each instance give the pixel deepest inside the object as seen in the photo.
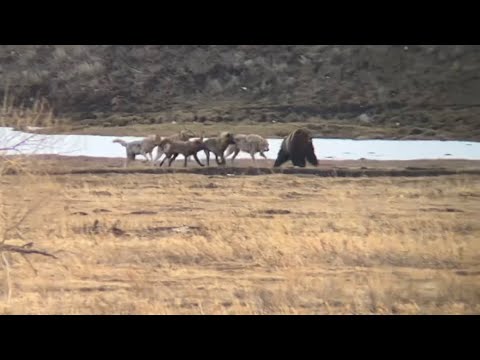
(267, 130)
(62, 165)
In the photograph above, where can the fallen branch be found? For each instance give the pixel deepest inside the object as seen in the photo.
(25, 249)
(14, 147)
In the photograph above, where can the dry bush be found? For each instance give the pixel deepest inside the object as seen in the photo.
(17, 115)
(21, 206)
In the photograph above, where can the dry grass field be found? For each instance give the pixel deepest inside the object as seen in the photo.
(270, 244)
(218, 241)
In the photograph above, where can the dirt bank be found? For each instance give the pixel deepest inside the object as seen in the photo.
(54, 164)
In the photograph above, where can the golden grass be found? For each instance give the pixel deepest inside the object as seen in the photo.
(277, 244)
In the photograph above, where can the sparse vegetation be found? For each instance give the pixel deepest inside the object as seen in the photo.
(23, 203)
(353, 91)
(142, 244)
(82, 235)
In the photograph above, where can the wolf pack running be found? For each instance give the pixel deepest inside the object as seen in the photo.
(296, 147)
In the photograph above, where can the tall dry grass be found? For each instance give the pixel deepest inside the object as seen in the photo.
(144, 244)
(37, 115)
(21, 206)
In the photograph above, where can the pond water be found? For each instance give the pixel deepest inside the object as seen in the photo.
(337, 149)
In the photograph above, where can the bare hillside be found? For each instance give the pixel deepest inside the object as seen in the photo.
(407, 91)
